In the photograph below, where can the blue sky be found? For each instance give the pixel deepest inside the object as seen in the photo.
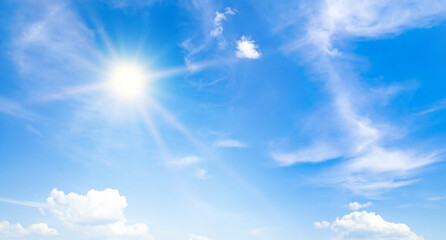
(214, 120)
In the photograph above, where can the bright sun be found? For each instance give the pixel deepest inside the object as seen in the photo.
(127, 81)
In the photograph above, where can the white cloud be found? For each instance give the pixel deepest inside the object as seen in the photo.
(218, 21)
(439, 106)
(378, 159)
(101, 212)
(374, 19)
(188, 160)
(23, 203)
(371, 158)
(315, 153)
(370, 226)
(247, 49)
(53, 48)
(356, 206)
(8, 230)
(229, 143)
(197, 237)
(438, 198)
(97, 207)
(323, 224)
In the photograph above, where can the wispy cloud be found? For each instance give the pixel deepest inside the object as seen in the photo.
(130, 3)
(341, 20)
(439, 106)
(372, 159)
(217, 31)
(230, 143)
(14, 109)
(53, 49)
(316, 153)
(185, 161)
(438, 198)
(23, 203)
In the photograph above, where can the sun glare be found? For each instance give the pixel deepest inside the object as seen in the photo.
(127, 81)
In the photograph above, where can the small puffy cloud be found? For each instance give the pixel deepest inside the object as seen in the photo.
(323, 224)
(42, 229)
(229, 143)
(246, 48)
(97, 207)
(8, 230)
(218, 21)
(184, 161)
(356, 206)
(370, 226)
(197, 237)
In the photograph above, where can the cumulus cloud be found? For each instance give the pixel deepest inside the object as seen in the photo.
(247, 49)
(356, 206)
(370, 226)
(9, 231)
(322, 224)
(229, 143)
(97, 207)
(101, 212)
(218, 21)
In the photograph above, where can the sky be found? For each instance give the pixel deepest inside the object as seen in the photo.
(221, 119)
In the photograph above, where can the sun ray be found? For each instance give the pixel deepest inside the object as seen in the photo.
(154, 132)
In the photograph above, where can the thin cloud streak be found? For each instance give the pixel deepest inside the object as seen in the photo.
(24, 203)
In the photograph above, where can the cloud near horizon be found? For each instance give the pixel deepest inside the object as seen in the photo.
(368, 226)
(8, 230)
(101, 212)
